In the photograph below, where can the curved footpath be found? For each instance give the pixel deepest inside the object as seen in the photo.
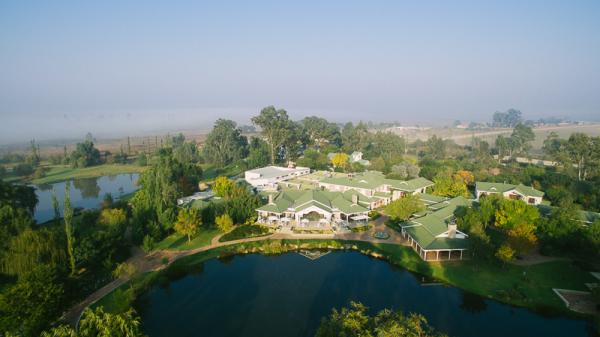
(153, 261)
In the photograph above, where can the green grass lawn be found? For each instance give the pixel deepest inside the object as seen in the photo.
(180, 242)
(63, 172)
(529, 286)
(210, 172)
(245, 231)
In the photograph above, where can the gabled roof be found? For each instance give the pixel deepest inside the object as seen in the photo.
(297, 200)
(374, 179)
(528, 191)
(409, 185)
(426, 229)
(502, 187)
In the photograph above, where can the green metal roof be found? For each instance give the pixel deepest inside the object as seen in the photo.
(502, 187)
(430, 199)
(425, 229)
(374, 179)
(298, 200)
(409, 185)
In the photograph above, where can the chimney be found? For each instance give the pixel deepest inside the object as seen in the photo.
(270, 198)
(452, 229)
(354, 199)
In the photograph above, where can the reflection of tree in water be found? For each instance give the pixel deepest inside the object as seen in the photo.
(112, 178)
(472, 303)
(45, 187)
(88, 187)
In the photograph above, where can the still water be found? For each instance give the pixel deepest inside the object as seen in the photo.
(85, 193)
(286, 295)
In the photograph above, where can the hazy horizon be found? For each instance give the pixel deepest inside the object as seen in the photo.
(116, 69)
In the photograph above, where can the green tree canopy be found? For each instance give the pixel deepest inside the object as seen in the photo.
(188, 222)
(225, 143)
(275, 127)
(402, 209)
(35, 300)
(355, 322)
(97, 323)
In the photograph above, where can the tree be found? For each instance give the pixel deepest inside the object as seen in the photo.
(30, 248)
(580, 149)
(402, 209)
(339, 160)
(354, 138)
(507, 119)
(294, 144)
(505, 253)
(223, 187)
(97, 323)
(521, 138)
(320, 132)
(355, 322)
(258, 155)
(450, 184)
(387, 145)
(224, 223)
(188, 222)
(125, 271)
(55, 207)
(34, 156)
(27, 307)
(560, 231)
(314, 159)
(225, 143)
(113, 218)
(70, 233)
(275, 126)
(519, 221)
(142, 159)
(436, 147)
(85, 155)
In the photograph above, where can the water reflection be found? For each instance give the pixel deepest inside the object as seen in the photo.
(88, 187)
(472, 303)
(287, 295)
(85, 193)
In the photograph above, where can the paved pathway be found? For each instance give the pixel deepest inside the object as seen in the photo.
(154, 261)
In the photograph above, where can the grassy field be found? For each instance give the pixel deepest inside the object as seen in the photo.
(180, 242)
(464, 137)
(210, 172)
(63, 172)
(245, 231)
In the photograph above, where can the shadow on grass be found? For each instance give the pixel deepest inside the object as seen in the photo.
(177, 243)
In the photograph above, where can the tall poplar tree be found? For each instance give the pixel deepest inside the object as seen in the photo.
(68, 216)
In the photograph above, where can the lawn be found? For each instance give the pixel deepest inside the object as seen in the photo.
(63, 172)
(210, 172)
(529, 286)
(245, 231)
(180, 242)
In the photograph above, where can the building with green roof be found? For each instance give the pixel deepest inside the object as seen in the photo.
(433, 234)
(315, 209)
(516, 192)
(375, 184)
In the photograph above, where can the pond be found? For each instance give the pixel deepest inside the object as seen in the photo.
(287, 295)
(85, 193)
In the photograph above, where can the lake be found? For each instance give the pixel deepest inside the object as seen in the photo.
(287, 295)
(85, 193)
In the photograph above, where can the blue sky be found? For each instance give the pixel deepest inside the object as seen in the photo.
(114, 67)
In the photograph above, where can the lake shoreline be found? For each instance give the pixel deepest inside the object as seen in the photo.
(267, 247)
